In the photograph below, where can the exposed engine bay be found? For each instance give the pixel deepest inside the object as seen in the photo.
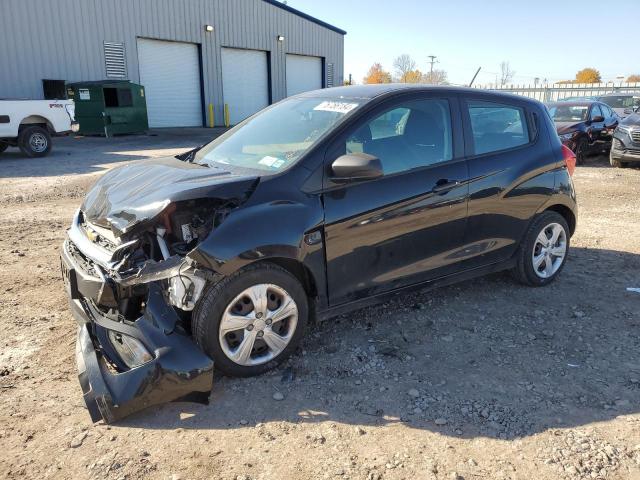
(158, 253)
(132, 281)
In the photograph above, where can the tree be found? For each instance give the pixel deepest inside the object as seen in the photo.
(437, 77)
(588, 75)
(412, 76)
(404, 66)
(506, 74)
(377, 74)
(633, 78)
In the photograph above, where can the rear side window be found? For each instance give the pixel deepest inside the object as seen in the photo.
(497, 126)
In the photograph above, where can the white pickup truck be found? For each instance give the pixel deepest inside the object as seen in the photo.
(29, 124)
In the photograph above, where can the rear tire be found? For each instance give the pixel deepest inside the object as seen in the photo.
(543, 251)
(226, 320)
(3, 146)
(34, 141)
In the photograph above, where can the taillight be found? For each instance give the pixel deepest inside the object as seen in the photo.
(569, 159)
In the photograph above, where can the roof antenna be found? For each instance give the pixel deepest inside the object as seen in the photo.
(474, 77)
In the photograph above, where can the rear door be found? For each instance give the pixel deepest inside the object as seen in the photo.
(405, 227)
(510, 171)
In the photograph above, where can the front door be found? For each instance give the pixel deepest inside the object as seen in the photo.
(404, 227)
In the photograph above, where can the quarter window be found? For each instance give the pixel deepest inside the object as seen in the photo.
(411, 135)
(497, 127)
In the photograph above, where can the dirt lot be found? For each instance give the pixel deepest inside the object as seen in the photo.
(485, 379)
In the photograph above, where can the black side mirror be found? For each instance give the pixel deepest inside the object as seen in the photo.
(598, 118)
(356, 166)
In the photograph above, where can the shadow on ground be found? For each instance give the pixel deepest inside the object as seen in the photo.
(484, 358)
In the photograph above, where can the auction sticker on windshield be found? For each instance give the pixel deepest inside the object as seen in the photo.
(337, 107)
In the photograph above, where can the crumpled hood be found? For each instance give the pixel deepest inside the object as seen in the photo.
(129, 195)
(567, 127)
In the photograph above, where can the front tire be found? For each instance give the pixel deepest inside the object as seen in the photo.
(34, 142)
(615, 162)
(543, 252)
(251, 321)
(581, 151)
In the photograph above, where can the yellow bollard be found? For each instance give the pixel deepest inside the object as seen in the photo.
(211, 120)
(227, 121)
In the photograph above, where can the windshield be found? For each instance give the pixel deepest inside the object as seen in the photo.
(621, 101)
(277, 137)
(568, 113)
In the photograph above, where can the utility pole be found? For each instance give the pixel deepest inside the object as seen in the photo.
(432, 61)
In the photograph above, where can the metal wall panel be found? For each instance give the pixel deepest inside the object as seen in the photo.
(63, 39)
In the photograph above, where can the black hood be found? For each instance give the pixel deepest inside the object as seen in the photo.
(130, 195)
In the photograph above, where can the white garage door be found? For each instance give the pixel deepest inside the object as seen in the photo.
(170, 73)
(303, 74)
(245, 82)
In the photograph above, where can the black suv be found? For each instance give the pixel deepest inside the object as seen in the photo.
(626, 142)
(318, 205)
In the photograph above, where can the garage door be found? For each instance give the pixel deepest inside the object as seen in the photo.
(170, 73)
(303, 74)
(245, 82)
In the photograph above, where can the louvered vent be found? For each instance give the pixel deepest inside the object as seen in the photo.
(329, 75)
(114, 60)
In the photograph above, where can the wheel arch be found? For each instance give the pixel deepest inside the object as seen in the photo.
(296, 268)
(39, 120)
(566, 213)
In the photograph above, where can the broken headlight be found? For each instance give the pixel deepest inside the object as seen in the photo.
(131, 350)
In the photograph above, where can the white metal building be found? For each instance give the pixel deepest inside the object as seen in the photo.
(186, 53)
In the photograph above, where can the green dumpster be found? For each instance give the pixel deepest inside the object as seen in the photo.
(109, 107)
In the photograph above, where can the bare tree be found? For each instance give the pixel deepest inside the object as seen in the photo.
(403, 66)
(437, 77)
(506, 74)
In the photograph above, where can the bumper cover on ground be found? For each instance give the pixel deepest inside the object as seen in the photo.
(178, 369)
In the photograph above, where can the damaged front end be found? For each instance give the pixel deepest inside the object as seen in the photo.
(132, 285)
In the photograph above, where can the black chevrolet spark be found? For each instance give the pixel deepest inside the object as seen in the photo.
(320, 204)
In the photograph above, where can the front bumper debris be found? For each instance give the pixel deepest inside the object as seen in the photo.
(179, 369)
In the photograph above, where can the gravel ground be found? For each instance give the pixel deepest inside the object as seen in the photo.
(485, 379)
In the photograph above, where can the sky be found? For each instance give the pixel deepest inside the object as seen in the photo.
(539, 38)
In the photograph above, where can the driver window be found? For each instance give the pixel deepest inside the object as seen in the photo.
(411, 135)
(595, 111)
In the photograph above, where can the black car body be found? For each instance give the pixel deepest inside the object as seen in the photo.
(626, 142)
(409, 187)
(586, 127)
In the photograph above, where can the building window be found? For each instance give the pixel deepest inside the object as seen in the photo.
(329, 75)
(114, 60)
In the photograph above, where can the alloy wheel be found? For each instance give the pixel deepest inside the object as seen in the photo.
(549, 250)
(258, 325)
